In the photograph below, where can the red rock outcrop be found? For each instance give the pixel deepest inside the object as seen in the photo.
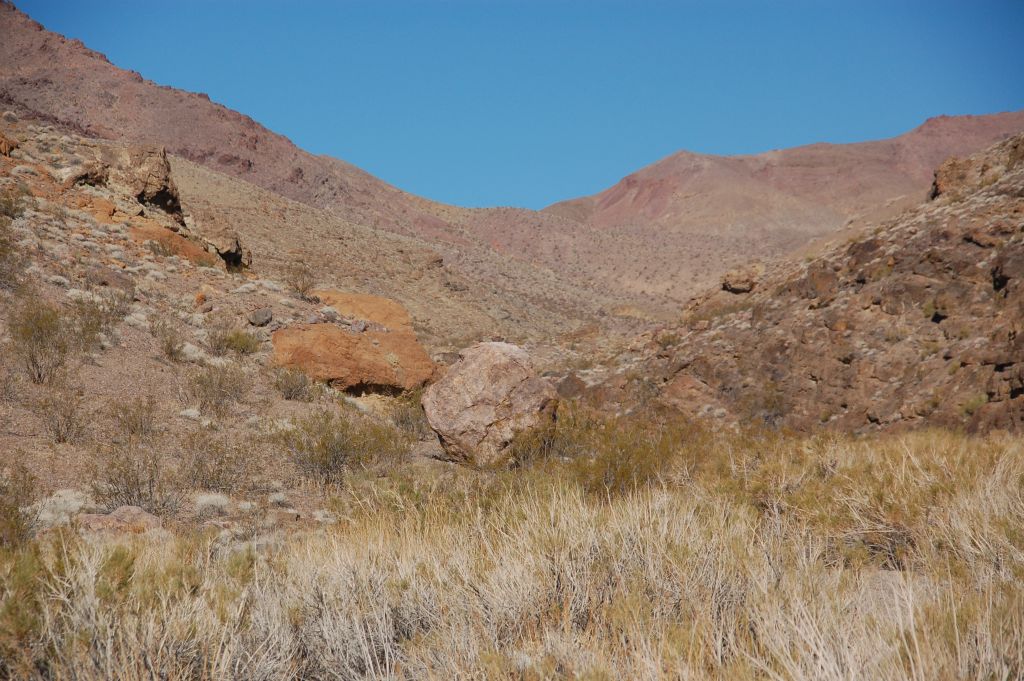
(369, 345)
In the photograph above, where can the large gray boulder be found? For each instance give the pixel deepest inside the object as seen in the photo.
(484, 399)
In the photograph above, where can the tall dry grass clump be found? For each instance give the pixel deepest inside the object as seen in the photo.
(733, 556)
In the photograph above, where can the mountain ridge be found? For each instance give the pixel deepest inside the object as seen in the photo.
(652, 240)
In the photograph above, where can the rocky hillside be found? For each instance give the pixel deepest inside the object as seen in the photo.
(915, 322)
(645, 245)
(690, 215)
(64, 84)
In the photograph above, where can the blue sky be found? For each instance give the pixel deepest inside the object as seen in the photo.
(523, 102)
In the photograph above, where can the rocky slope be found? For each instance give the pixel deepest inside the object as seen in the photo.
(915, 322)
(690, 215)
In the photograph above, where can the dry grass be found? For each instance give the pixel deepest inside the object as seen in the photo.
(293, 384)
(724, 556)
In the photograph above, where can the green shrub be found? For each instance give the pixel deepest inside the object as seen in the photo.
(213, 462)
(40, 338)
(974, 403)
(133, 474)
(293, 384)
(214, 389)
(224, 340)
(326, 445)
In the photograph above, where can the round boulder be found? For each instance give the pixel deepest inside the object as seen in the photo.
(484, 399)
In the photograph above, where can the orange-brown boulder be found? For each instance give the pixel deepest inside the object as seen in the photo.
(7, 145)
(384, 354)
(376, 309)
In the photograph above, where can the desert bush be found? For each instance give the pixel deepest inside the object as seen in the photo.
(212, 461)
(293, 384)
(223, 340)
(94, 317)
(301, 279)
(12, 262)
(61, 411)
(135, 418)
(17, 494)
(169, 339)
(12, 202)
(133, 474)
(406, 413)
(326, 445)
(214, 389)
(40, 337)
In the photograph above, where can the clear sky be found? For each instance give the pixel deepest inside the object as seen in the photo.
(526, 102)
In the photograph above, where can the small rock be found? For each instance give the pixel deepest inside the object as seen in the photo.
(193, 354)
(261, 317)
(124, 520)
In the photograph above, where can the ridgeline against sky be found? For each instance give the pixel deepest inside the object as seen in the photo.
(526, 103)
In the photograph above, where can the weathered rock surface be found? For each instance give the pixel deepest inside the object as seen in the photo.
(372, 346)
(141, 171)
(483, 400)
(743, 279)
(958, 175)
(123, 520)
